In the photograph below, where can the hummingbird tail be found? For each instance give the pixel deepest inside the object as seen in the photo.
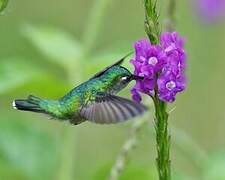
(32, 103)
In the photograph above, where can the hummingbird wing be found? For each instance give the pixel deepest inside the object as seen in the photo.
(110, 109)
(115, 64)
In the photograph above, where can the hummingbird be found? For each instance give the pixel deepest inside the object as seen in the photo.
(94, 100)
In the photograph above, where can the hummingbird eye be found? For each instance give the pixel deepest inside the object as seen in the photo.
(124, 78)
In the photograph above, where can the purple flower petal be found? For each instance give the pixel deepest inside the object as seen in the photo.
(169, 85)
(171, 41)
(136, 95)
(141, 48)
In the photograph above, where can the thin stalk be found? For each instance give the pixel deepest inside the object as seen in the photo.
(184, 143)
(161, 116)
(162, 140)
(181, 139)
(128, 146)
(151, 21)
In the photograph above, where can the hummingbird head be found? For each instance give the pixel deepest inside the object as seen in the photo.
(120, 77)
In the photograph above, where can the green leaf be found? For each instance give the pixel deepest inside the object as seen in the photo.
(57, 45)
(15, 72)
(3, 4)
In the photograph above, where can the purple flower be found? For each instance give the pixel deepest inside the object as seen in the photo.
(171, 41)
(169, 85)
(161, 65)
(149, 61)
(141, 48)
(145, 86)
(136, 95)
(149, 58)
(211, 10)
(174, 48)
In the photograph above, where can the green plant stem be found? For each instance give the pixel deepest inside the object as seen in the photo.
(128, 146)
(161, 116)
(162, 139)
(151, 21)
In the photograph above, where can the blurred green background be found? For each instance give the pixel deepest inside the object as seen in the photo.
(48, 47)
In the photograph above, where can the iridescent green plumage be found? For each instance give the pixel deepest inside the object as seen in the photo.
(93, 100)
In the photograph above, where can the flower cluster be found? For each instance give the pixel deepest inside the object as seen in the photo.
(162, 67)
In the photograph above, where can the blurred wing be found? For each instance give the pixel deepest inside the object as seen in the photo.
(111, 109)
(115, 64)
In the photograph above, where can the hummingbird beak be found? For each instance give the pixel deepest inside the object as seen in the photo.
(135, 77)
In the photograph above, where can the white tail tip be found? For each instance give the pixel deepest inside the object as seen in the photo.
(14, 105)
